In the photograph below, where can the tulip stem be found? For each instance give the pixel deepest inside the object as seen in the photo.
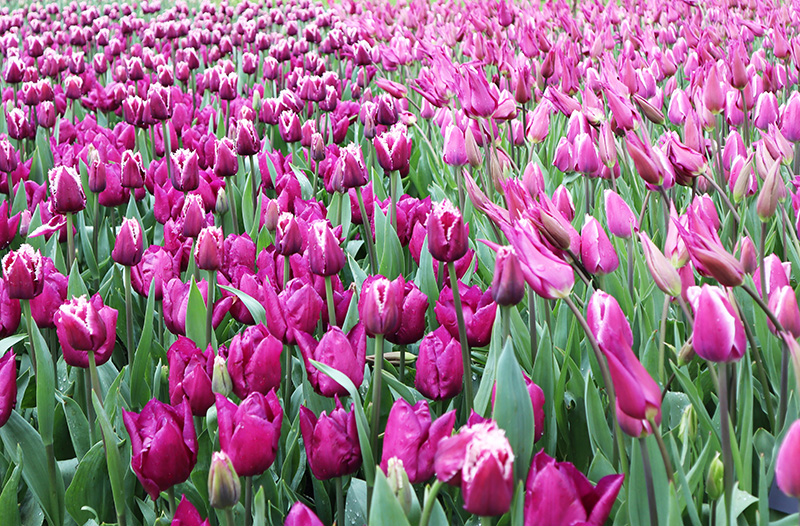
(129, 315)
(761, 270)
(329, 299)
(662, 447)
(648, 477)
(630, 269)
(256, 211)
(662, 340)
(339, 502)
(248, 501)
(725, 435)
(462, 337)
(26, 306)
(505, 320)
(287, 387)
(762, 375)
(287, 271)
(229, 517)
(376, 394)
(94, 378)
(212, 284)
(486, 520)
(534, 333)
(373, 259)
(619, 446)
(165, 135)
(70, 243)
(393, 182)
(430, 499)
(87, 381)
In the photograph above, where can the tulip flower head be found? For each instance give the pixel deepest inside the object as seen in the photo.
(23, 271)
(331, 442)
(84, 326)
(448, 236)
(66, 189)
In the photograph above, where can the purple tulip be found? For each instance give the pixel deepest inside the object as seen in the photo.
(157, 265)
(381, 304)
(440, 369)
(190, 372)
(186, 170)
(346, 354)
(325, 255)
(479, 312)
(718, 331)
(393, 149)
(66, 189)
(208, 253)
(187, 515)
(254, 361)
(129, 245)
(448, 236)
(84, 325)
(250, 433)
(331, 442)
(301, 515)
(412, 317)
(10, 312)
(8, 385)
(23, 272)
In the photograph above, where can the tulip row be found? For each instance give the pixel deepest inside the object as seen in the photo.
(286, 263)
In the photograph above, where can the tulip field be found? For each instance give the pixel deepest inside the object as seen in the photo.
(400, 263)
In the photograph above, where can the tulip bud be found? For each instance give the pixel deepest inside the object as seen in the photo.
(132, 171)
(686, 354)
(621, 220)
(96, 170)
(209, 254)
(508, 284)
(301, 515)
(317, 147)
(66, 190)
(193, 215)
(786, 473)
(399, 484)
(448, 237)
(597, 252)
(664, 274)
(687, 428)
(222, 204)
(271, 214)
(224, 487)
(783, 304)
(129, 246)
(288, 239)
(772, 191)
(225, 162)
(221, 379)
(381, 303)
(23, 271)
(325, 256)
(748, 256)
(715, 486)
(474, 155)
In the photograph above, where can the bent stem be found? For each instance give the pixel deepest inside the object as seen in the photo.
(373, 260)
(430, 500)
(376, 393)
(648, 478)
(462, 337)
(725, 435)
(619, 445)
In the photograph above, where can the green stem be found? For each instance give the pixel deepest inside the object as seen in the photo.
(212, 285)
(70, 243)
(248, 501)
(95, 379)
(26, 307)
(662, 340)
(402, 370)
(532, 324)
(648, 478)
(725, 435)
(662, 447)
(339, 502)
(373, 259)
(232, 204)
(462, 336)
(287, 271)
(329, 298)
(486, 521)
(167, 152)
(430, 500)
(129, 315)
(229, 517)
(505, 320)
(630, 269)
(87, 381)
(761, 269)
(95, 237)
(288, 387)
(762, 375)
(255, 187)
(376, 394)
(171, 500)
(393, 193)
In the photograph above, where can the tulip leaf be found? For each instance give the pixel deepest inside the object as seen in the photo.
(196, 316)
(9, 508)
(78, 426)
(89, 488)
(412, 396)
(385, 510)
(247, 210)
(599, 432)
(10, 341)
(86, 245)
(388, 247)
(140, 391)
(115, 467)
(359, 276)
(355, 508)
(361, 418)
(23, 445)
(513, 409)
(45, 387)
(76, 286)
(426, 281)
(255, 308)
(259, 503)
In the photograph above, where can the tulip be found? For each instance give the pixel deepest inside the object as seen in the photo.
(54, 294)
(254, 361)
(664, 274)
(208, 253)
(480, 460)
(247, 141)
(331, 442)
(556, 493)
(8, 225)
(412, 317)
(380, 305)
(771, 192)
(786, 473)
(132, 170)
(707, 253)
(187, 515)
(226, 164)
(455, 150)
(748, 255)
(301, 308)
(250, 433)
(393, 150)
(350, 170)
(790, 119)
(597, 252)
(157, 265)
(620, 219)
(10, 312)
(224, 487)
(718, 332)
(783, 304)
(84, 326)
(479, 312)
(193, 215)
(412, 438)
(190, 371)
(608, 323)
(345, 353)
(23, 273)
(129, 245)
(163, 444)
(325, 255)
(448, 237)
(301, 515)
(440, 370)
(186, 175)
(66, 189)
(8, 386)
(289, 127)
(288, 238)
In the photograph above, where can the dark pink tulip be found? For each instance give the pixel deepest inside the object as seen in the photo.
(557, 493)
(381, 304)
(193, 215)
(250, 433)
(8, 225)
(412, 438)
(345, 353)
(225, 162)
(584, 153)
(301, 515)
(157, 265)
(783, 304)
(240, 251)
(664, 274)
(790, 118)
(608, 323)
(718, 332)
(455, 150)
(8, 385)
(247, 141)
(620, 218)
(301, 307)
(480, 460)
(176, 301)
(160, 102)
(209, 254)
(129, 245)
(350, 170)
(440, 370)
(707, 253)
(132, 170)
(393, 149)
(331, 442)
(23, 271)
(187, 515)
(289, 127)
(786, 474)
(325, 256)
(644, 159)
(163, 444)
(9, 312)
(84, 325)
(412, 318)
(288, 238)
(448, 237)
(254, 361)
(186, 171)
(776, 274)
(479, 313)
(66, 190)
(190, 372)
(475, 94)
(597, 252)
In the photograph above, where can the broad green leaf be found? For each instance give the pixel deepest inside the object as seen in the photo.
(140, 391)
(255, 308)
(90, 488)
(45, 387)
(599, 432)
(196, 316)
(78, 426)
(76, 286)
(9, 508)
(385, 510)
(115, 467)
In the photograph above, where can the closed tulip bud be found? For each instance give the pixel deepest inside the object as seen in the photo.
(8, 385)
(96, 171)
(771, 192)
(46, 114)
(129, 246)
(271, 215)
(72, 87)
(190, 371)
(254, 361)
(474, 155)
(288, 238)
(331, 442)
(66, 190)
(508, 284)
(621, 220)
(790, 119)
(225, 162)
(687, 428)
(597, 252)
(186, 172)
(715, 486)
(380, 304)
(440, 371)
(664, 274)
(718, 331)
(224, 487)
(160, 102)
(289, 127)
(84, 325)
(221, 382)
(222, 205)
(132, 170)
(325, 255)
(607, 146)
(193, 215)
(301, 515)
(23, 271)
(256, 421)
(317, 147)
(399, 484)
(786, 474)
(748, 256)
(455, 150)
(448, 237)
(209, 254)
(9, 159)
(163, 444)
(783, 304)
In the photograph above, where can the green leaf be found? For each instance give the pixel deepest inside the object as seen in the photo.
(9, 342)
(9, 508)
(196, 316)
(259, 505)
(385, 510)
(78, 426)
(76, 286)
(140, 391)
(45, 387)
(89, 488)
(388, 247)
(257, 310)
(513, 410)
(355, 508)
(113, 461)
(361, 418)
(599, 432)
